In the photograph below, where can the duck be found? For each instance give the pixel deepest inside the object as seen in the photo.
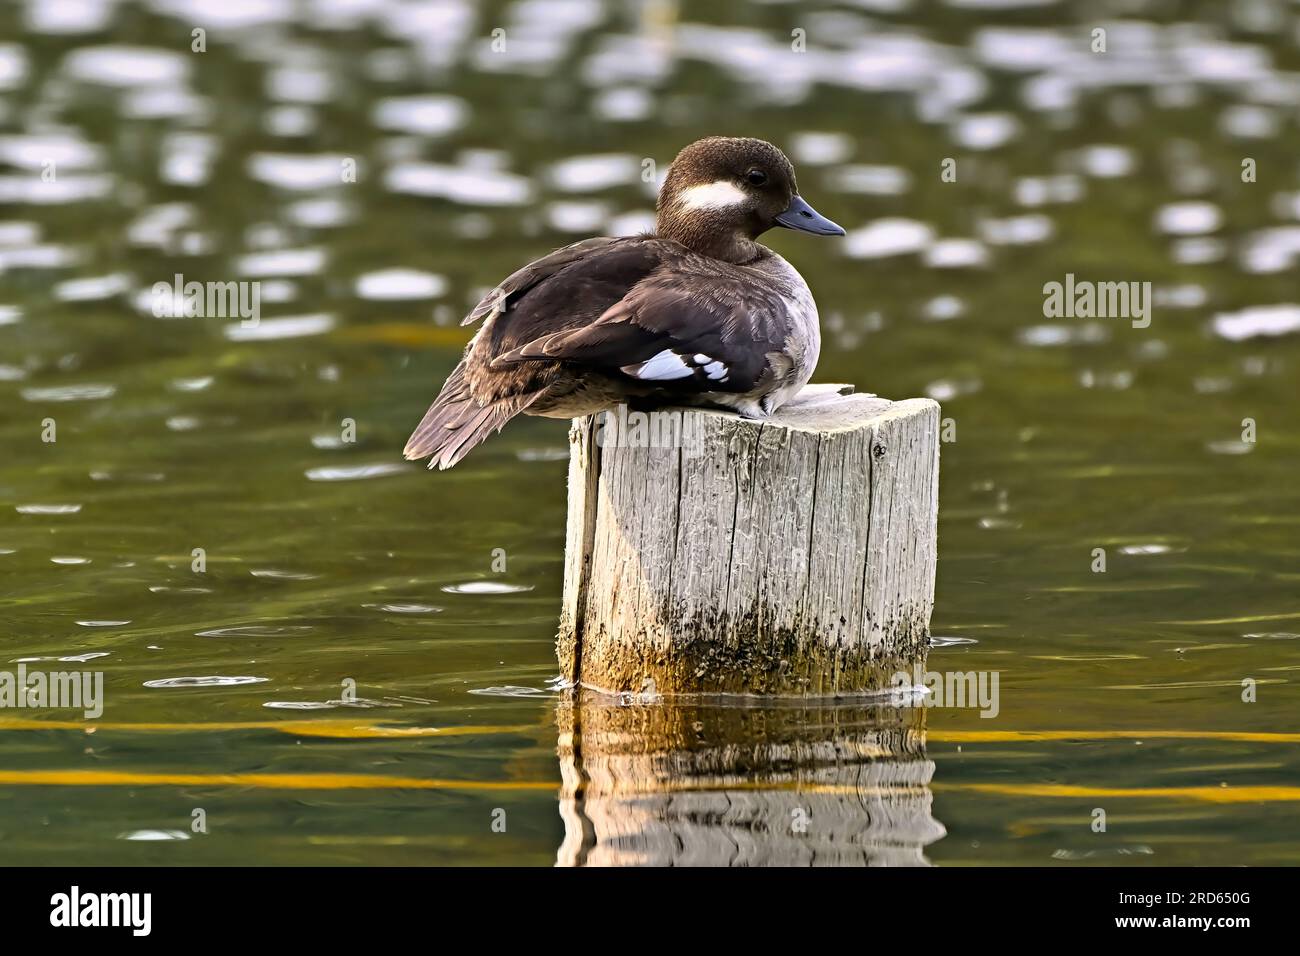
(696, 313)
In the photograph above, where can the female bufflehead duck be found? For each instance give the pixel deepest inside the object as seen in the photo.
(698, 313)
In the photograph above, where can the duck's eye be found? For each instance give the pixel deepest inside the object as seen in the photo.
(756, 177)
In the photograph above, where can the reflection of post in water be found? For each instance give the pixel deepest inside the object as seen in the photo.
(726, 784)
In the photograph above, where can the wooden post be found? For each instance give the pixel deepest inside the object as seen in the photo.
(790, 556)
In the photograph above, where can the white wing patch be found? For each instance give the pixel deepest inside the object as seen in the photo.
(668, 365)
(716, 195)
(662, 367)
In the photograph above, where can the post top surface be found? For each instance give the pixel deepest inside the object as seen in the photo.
(829, 408)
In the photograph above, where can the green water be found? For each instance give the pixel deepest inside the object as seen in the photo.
(334, 573)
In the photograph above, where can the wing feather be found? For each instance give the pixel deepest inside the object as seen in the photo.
(714, 329)
(518, 283)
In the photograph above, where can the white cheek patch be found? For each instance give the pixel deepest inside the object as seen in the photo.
(665, 366)
(722, 194)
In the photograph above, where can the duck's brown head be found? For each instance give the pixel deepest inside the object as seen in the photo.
(722, 193)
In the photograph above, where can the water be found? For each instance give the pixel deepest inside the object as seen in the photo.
(353, 678)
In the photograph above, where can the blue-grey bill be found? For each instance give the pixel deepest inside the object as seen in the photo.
(803, 217)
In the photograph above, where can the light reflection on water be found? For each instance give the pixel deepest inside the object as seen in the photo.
(127, 158)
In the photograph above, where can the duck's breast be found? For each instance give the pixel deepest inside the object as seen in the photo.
(803, 337)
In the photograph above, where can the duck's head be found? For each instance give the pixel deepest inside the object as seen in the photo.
(722, 193)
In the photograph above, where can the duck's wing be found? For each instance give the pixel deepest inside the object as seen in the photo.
(641, 308)
(570, 287)
(519, 283)
(715, 331)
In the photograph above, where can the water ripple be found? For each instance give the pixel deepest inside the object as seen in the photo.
(1260, 320)
(211, 680)
(283, 328)
(355, 472)
(256, 630)
(511, 690)
(405, 608)
(69, 393)
(152, 836)
(486, 587)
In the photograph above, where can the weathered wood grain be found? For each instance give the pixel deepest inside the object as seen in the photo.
(794, 555)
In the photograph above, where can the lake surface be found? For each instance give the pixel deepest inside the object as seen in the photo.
(357, 665)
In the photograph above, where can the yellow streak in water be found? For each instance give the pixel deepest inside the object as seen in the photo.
(1240, 620)
(346, 729)
(269, 781)
(355, 781)
(1186, 683)
(349, 729)
(1003, 736)
(406, 334)
(1206, 794)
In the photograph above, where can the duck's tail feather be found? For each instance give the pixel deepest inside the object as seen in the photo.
(455, 423)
